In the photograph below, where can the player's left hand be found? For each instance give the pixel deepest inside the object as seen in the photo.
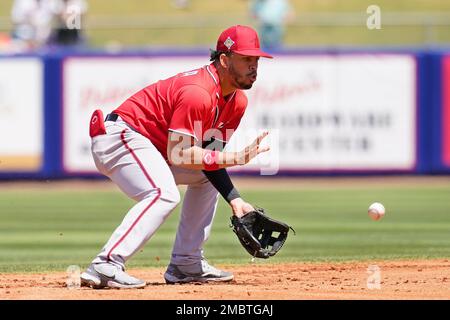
(240, 207)
(259, 234)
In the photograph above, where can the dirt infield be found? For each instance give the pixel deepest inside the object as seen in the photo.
(426, 279)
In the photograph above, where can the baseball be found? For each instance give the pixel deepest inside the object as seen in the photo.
(376, 211)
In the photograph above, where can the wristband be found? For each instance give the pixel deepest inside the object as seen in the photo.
(234, 194)
(210, 159)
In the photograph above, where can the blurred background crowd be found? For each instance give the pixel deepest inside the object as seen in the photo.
(32, 24)
(37, 23)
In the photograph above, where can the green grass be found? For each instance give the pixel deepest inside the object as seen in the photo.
(200, 24)
(50, 230)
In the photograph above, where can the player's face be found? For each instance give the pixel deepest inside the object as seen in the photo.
(243, 70)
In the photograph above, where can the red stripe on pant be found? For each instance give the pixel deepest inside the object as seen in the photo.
(122, 137)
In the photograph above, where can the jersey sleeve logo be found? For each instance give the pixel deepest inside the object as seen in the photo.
(208, 159)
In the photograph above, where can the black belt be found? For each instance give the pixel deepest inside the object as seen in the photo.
(112, 117)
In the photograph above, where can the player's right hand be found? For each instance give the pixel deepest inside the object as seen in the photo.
(252, 150)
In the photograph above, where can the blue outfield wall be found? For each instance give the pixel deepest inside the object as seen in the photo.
(436, 121)
(426, 109)
(430, 90)
(52, 117)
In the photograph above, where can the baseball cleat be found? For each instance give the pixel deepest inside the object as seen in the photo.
(198, 272)
(106, 275)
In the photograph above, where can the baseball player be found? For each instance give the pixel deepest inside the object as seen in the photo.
(170, 133)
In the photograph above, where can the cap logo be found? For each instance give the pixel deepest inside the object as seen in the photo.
(228, 43)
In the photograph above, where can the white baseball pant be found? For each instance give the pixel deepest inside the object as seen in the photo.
(132, 162)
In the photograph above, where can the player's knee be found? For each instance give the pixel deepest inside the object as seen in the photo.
(168, 194)
(171, 195)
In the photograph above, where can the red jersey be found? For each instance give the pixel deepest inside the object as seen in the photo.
(190, 103)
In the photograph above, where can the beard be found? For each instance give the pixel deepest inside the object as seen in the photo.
(241, 81)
